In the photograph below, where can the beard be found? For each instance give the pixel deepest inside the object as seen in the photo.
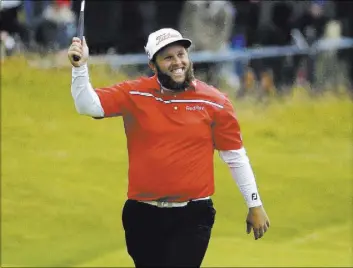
(168, 82)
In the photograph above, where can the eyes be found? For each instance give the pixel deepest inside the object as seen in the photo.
(170, 57)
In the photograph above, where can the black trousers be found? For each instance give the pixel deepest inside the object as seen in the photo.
(168, 237)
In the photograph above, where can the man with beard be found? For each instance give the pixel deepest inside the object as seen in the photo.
(173, 123)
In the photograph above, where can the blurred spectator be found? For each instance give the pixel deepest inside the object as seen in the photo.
(57, 25)
(13, 32)
(139, 21)
(148, 11)
(246, 20)
(103, 24)
(34, 10)
(169, 13)
(274, 71)
(329, 71)
(344, 11)
(244, 34)
(209, 24)
(312, 24)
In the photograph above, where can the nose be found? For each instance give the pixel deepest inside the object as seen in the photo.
(176, 61)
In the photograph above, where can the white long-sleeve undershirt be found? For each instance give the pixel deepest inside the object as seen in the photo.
(242, 173)
(87, 103)
(86, 99)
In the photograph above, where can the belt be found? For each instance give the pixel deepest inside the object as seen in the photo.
(166, 204)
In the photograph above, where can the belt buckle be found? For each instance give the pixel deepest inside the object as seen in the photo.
(163, 204)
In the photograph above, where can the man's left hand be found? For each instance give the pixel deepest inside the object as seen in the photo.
(258, 221)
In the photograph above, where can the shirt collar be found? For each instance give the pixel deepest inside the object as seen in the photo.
(164, 89)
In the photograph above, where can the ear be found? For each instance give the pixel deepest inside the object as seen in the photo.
(152, 66)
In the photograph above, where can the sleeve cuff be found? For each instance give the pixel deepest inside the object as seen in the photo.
(80, 70)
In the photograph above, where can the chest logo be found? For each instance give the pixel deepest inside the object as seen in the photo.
(195, 108)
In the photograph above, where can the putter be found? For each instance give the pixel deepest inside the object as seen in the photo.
(80, 26)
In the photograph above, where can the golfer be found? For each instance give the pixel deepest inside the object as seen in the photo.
(173, 123)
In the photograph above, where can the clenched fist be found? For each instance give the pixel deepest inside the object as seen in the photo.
(80, 50)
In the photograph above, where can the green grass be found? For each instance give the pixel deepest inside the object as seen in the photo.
(64, 179)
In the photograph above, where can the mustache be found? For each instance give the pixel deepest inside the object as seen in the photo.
(168, 82)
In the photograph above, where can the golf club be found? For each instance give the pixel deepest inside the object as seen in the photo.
(80, 26)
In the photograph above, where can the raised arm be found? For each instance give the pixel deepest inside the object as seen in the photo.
(94, 102)
(85, 98)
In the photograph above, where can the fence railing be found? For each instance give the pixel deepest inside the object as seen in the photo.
(246, 54)
(116, 61)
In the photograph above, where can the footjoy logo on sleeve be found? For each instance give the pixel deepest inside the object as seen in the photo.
(195, 108)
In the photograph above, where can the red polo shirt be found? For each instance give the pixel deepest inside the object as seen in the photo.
(171, 138)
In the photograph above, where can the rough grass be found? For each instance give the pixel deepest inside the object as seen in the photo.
(63, 179)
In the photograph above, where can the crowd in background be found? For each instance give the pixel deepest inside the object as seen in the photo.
(122, 27)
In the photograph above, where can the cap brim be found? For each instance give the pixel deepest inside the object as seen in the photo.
(185, 42)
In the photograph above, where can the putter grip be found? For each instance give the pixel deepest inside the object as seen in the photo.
(76, 58)
(80, 30)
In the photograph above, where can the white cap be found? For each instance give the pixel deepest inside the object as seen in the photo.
(163, 37)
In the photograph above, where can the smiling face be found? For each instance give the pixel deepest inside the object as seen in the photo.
(173, 67)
